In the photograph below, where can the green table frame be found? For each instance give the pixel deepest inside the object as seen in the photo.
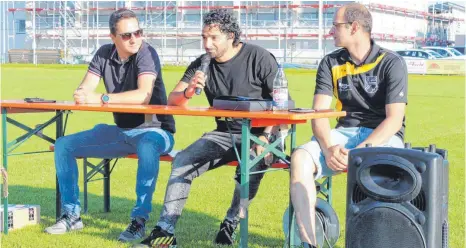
(246, 164)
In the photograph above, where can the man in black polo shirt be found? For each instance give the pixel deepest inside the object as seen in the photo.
(236, 69)
(130, 69)
(370, 84)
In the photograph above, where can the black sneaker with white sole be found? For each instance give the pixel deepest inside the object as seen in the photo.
(158, 238)
(226, 235)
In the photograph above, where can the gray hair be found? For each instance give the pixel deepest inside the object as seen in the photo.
(355, 12)
(119, 15)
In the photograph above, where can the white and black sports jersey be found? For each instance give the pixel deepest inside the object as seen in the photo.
(364, 90)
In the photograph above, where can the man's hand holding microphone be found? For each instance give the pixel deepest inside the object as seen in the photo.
(197, 83)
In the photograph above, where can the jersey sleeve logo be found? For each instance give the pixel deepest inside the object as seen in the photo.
(371, 84)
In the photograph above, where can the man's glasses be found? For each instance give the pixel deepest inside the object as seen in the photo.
(336, 24)
(127, 36)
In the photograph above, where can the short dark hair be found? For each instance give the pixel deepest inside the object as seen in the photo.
(355, 12)
(119, 15)
(226, 21)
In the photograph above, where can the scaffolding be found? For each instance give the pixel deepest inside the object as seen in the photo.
(292, 31)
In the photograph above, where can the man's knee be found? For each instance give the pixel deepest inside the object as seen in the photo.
(151, 144)
(64, 144)
(182, 167)
(301, 161)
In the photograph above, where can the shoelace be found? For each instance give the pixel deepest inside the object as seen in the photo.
(228, 226)
(134, 227)
(152, 234)
(63, 218)
(66, 220)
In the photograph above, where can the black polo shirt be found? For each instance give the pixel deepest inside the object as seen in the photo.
(364, 90)
(250, 73)
(121, 76)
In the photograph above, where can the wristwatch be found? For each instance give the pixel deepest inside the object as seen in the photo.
(105, 98)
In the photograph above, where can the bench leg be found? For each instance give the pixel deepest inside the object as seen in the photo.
(85, 184)
(107, 185)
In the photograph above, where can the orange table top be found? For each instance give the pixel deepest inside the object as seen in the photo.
(20, 106)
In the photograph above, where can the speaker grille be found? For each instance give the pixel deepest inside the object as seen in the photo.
(420, 201)
(383, 228)
(358, 195)
(445, 234)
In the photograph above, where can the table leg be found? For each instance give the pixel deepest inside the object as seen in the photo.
(58, 134)
(245, 144)
(291, 230)
(5, 165)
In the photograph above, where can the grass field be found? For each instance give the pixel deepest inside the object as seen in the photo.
(435, 115)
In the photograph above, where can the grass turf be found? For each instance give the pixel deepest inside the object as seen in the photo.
(435, 115)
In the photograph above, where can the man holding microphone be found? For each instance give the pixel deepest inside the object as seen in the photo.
(234, 69)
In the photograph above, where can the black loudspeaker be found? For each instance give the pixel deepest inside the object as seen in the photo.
(397, 198)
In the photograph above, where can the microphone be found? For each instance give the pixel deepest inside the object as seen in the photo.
(205, 61)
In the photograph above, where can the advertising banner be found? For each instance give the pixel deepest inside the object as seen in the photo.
(416, 66)
(445, 67)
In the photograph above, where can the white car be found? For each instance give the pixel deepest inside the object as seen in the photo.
(419, 54)
(447, 52)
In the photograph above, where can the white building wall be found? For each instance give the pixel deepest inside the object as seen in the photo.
(299, 49)
(457, 27)
(12, 36)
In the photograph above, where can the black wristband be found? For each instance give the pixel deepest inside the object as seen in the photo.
(184, 94)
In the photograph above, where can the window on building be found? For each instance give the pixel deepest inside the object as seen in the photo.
(308, 19)
(249, 18)
(171, 19)
(193, 3)
(266, 6)
(103, 20)
(222, 3)
(21, 27)
(192, 19)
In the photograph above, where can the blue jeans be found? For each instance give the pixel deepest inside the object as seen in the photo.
(110, 141)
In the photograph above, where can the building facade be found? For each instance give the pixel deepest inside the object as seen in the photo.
(294, 31)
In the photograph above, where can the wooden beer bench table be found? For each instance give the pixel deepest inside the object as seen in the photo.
(249, 120)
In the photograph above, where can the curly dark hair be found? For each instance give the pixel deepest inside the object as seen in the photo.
(226, 21)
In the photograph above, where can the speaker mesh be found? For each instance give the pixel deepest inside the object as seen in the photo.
(445, 234)
(420, 201)
(358, 195)
(383, 228)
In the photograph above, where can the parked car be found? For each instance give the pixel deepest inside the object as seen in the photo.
(419, 54)
(461, 49)
(447, 52)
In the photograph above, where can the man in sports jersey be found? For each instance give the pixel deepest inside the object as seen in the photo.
(236, 69)
(370, 84)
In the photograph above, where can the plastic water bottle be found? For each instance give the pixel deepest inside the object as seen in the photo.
(280, 90)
